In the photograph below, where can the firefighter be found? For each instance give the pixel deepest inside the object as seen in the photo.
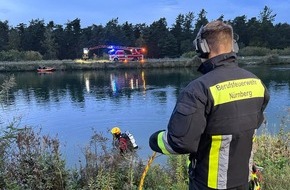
(216, 115)
(125, 142)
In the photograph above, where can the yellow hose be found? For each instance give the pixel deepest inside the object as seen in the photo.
(146, 170)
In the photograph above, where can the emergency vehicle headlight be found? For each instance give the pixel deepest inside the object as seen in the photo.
(86, 50)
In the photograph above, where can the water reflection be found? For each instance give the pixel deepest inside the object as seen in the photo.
(121, 81)
(87, 81)
(58, 85)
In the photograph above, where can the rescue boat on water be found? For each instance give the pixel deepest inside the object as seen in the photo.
(45, 69)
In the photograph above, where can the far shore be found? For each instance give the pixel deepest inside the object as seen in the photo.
(79, 64)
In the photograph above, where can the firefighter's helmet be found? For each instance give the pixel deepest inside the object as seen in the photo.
(116, 131)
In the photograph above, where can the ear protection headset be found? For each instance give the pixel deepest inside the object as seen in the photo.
(201, 45)
(202, 48)
(235, 43)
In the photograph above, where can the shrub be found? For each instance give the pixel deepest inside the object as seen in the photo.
(7, 136)
(285, 51)
(273, 154)
(32, 56)
(254, 51)
(15, 55)
(34, 162)
(7, 85)
(11, 55)
(190, 54)
(271, 59)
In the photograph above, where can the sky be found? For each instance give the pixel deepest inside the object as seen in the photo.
(100, 12)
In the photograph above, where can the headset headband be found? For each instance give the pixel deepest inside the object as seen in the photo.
(201, 46)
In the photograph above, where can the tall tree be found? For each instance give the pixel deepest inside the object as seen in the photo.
(188, 37)
(34, 36)
(95, 35)
(183, 32)
(221, 18)
(282, 36)
(200, 21)
(267, 28)
(21, 28)
(60, 40)
(128, 30)
(240, 27)
(14, 40)
(156, 31)
(49, 45)
(139, 34)
(168, 46)
(4, 35)
(188, 25)
(72, 33)
(177, 31)
(253, 28)
(267, 15)
(113, 33)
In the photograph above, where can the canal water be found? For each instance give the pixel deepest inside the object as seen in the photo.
(73, 104)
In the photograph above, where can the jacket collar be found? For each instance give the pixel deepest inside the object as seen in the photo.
(216, 61)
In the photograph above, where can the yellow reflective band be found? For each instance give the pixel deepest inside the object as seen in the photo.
(214, 161)
(234, 90)
(255, 181)
(161, 144)
(188, 162)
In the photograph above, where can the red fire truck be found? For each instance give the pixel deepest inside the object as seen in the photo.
(119, 53)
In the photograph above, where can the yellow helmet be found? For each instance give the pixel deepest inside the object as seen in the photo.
(115, 130)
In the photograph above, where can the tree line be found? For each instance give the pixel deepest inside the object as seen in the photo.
(55, 41)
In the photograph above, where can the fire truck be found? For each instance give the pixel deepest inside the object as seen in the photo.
(118, 53)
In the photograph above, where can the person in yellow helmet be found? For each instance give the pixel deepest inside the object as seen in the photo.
(116, 131)
(124, 141)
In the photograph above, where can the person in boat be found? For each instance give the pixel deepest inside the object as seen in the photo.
(216, 115)
(125, 142)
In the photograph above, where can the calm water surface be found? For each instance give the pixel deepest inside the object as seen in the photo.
(72, 105)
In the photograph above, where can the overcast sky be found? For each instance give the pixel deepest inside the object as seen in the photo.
(135, 12)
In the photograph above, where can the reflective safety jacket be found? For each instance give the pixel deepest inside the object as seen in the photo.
(214, 120)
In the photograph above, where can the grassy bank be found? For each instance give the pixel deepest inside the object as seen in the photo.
(32, 161)
(148, 63)
(94, 64)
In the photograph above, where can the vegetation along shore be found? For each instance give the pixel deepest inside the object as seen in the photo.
(79, 64)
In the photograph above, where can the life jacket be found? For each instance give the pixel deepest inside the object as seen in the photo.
(123, 144)
(126, 142)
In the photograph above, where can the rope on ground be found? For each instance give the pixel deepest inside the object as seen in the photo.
(146, 170)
